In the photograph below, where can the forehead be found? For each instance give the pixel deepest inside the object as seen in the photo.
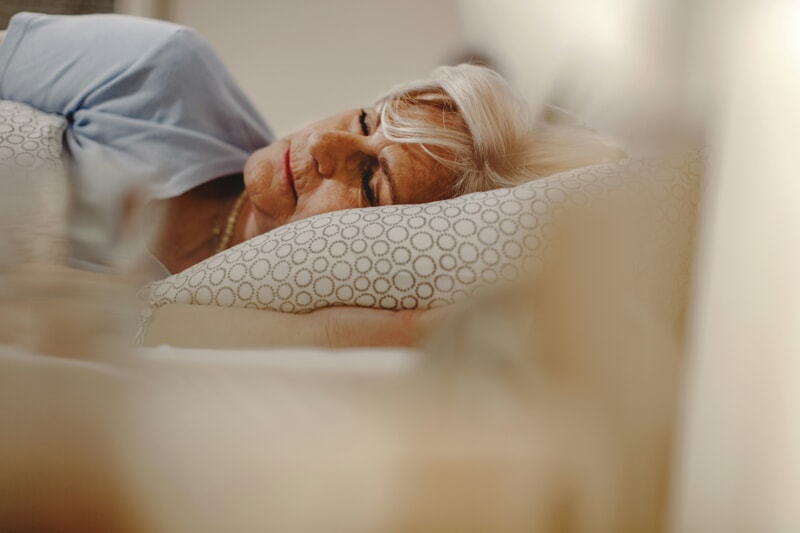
(417, 176)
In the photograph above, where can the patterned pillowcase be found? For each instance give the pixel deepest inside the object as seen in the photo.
(33, 185)
(407, 256)
(29, 139)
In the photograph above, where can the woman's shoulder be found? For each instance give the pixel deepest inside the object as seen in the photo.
(122, 36)
(53, 62)
(121, 28)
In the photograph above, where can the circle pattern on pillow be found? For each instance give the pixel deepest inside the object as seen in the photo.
(33, 185)
(410, 256)
(29, 139)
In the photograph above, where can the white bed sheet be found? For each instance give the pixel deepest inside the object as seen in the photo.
(195, 440)
(202, 440)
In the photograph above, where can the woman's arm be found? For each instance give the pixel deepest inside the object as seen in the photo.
(2, 34)
(199, 326)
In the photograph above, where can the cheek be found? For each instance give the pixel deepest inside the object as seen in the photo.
(325, 199)
(258, 170)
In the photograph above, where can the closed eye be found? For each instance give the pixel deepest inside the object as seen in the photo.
(367, 166)
(367, 171)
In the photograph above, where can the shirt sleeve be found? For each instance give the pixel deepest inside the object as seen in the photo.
(147, 103)
(147, 92)
(55, 62)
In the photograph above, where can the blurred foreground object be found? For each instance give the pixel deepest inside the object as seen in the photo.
(57, 411)
(739, 467)
(592, 347)
(655, 74)
(45, 306)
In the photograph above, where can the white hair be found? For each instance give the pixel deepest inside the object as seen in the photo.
(486, 135)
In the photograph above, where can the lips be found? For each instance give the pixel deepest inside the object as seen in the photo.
(287, 166)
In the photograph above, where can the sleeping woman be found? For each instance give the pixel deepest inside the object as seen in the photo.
(150, 108)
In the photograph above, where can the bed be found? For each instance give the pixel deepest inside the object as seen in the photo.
(107, 436)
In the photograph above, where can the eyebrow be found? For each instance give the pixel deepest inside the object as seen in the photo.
(389, 178)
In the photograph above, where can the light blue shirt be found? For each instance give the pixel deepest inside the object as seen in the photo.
(148, 105)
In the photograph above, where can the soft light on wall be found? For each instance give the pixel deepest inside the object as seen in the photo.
(303, 60)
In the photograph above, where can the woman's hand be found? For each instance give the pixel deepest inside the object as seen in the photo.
(199, 326)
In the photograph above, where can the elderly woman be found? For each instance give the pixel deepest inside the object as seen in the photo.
(150, 108)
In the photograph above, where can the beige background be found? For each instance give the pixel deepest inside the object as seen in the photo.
(302, 60)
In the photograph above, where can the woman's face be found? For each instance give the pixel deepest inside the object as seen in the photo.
(340, 162)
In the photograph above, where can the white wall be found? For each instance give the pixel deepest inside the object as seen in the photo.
(627, 68)
(305, 59)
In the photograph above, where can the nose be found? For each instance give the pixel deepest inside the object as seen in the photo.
(336, 152)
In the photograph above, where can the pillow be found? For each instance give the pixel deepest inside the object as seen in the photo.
(33, 185)
(409, 256)
(29, 139)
